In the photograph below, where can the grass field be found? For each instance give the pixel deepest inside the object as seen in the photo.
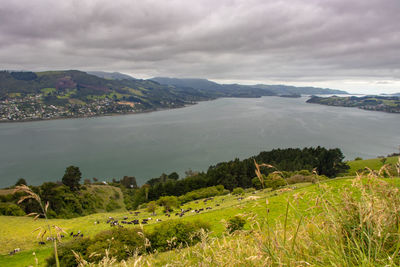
(16, 232)
(374, 164)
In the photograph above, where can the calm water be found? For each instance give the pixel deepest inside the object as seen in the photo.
(145, 145)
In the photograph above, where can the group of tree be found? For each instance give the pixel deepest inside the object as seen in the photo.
(67, 199)
(241, 173)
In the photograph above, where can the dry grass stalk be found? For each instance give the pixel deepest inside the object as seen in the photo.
(258, 171)
(42, 230)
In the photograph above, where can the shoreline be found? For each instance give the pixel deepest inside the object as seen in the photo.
(101, 115)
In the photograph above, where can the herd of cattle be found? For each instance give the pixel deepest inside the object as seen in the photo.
(116, 223)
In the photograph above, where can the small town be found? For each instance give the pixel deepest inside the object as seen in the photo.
(32, 107)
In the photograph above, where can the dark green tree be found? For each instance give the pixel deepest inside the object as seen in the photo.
(173, 176)
(21, 181)
(129, 182)
(72, 177)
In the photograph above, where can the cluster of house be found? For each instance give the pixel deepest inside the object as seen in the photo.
(33, 108)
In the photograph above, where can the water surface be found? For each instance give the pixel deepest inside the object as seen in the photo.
(145, 145)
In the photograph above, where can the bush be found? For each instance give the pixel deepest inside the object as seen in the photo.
(301, 179)
(65, 255)
(274, 181)
(168, 202)
(235, 223)
(304, 172)
(172, 234)
(249, 190)
(112, 205)
(10, 209)
(238, 191)
(202, 193)
(256, 182)
(121, 243)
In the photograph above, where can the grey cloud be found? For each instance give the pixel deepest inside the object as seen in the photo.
(226, 39)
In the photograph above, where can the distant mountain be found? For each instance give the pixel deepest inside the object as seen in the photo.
(261, 89)
(288, 90)
(58, 87)
(202, 84)
(215, 89)
(111, 75)
(395, 94)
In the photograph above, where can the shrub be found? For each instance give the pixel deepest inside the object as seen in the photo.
(112, 205)
(10, 209)
(238, 191)
(303, 179)
(249, 190)
(202, 193)
(225, 192)
(168, 202)
(172, 234)
(256, 183)
(235, 223)
(304, 172)
(274, 181)
(151, 207)
(65, 255)
(120, 242)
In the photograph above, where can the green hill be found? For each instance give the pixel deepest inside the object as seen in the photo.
(73, 84)
(238, 89)
(289, 217)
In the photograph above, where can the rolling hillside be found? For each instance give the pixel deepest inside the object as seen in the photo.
(260, 89)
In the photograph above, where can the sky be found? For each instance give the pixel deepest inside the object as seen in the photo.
(349, 45)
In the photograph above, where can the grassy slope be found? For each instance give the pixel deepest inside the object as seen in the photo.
(374, 164)
(17, 231)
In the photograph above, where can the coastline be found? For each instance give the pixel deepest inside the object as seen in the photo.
(101, 115)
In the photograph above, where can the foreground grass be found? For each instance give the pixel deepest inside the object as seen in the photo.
(355, 225)
(16, 232)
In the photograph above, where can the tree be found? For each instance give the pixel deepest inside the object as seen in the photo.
(274, 181)
(129, 182)
(72, 177)
(168, 202)
(151, 207)
(173, 176)
(146, 189)
(21, 181)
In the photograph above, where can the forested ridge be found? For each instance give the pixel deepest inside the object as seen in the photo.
(69, 198)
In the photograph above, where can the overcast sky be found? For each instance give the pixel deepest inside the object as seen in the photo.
(351, 45)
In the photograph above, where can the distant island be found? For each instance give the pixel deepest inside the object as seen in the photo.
(291, 95)
(389, 104)
(28, 96)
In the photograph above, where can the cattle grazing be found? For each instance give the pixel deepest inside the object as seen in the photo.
(14, 251)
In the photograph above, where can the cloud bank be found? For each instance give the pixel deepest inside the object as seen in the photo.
(319, 42)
